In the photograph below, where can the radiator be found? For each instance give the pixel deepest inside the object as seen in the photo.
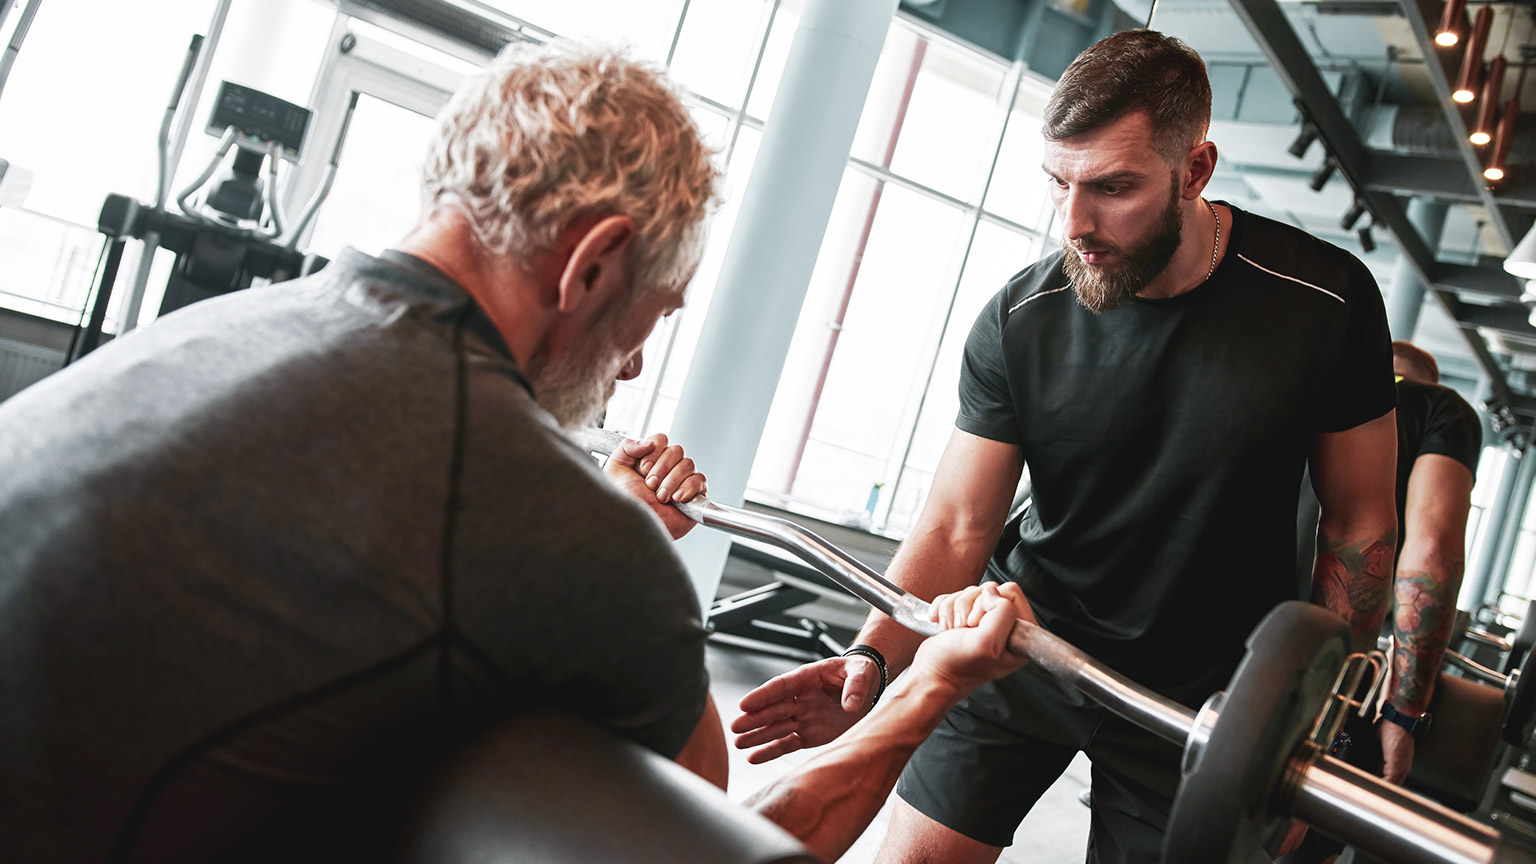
(22, 364)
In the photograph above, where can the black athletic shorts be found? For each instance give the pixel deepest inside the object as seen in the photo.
(998, 751)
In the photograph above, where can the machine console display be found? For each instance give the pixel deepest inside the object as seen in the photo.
(258, 115)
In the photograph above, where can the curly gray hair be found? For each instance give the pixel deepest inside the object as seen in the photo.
(549, 134)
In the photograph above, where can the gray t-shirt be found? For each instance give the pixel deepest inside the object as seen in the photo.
(265, 561)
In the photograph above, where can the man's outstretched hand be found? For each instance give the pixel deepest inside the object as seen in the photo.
(805, 707)
(814, 704)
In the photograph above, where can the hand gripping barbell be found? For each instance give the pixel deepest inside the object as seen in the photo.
(1253, 754)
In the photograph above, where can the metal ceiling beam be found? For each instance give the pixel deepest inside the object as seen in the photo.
(1277, 39)
(1514, 320)
(1485, 281)
(1418, 14)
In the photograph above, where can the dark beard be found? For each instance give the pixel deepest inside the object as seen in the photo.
(1102, 290)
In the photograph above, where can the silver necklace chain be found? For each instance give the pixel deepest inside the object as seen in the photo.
(1217, 247)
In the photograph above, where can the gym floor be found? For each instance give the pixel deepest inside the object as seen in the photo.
(1056, 831)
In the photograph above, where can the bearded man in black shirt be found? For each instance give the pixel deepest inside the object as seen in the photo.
(1439, 440)
(1166, 377)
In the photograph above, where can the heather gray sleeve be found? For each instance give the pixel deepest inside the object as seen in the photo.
(568, 586)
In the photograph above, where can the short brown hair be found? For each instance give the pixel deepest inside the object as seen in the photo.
(1134, 70)
(1417, 359)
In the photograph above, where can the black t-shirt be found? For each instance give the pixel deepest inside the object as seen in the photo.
(1165, 441)
(1432, 419)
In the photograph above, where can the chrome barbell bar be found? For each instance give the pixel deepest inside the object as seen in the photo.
(1385, 821)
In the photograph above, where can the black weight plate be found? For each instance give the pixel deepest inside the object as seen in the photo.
(1520, 713)
(1222, 810)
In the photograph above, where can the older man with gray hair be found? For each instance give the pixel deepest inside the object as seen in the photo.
(252, 547)
(267, 561)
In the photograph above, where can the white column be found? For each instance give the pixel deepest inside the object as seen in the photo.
(1480, 577)
(1406, 300)
(1509, 536)
(773, 249)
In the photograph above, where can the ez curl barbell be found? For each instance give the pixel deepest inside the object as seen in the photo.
(1254, 754)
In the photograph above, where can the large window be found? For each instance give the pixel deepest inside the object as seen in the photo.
(868, 397)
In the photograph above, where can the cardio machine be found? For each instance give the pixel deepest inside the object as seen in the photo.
(234, 232)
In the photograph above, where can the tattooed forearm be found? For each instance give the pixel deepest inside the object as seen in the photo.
(1426, 606)
(1351, 579)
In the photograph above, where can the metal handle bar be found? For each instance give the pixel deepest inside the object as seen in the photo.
(1477, 634)
(18, 36)
(163, 142)
(330, 176)
(1476, 670)
(1387, 821)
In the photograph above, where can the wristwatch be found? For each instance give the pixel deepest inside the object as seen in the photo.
(1418, 727)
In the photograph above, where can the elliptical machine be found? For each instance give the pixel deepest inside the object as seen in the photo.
(14, 180)
(238, 230)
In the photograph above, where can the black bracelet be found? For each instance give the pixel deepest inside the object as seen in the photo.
(875, 655)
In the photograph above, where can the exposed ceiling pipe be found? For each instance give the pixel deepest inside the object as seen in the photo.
(1420, 130)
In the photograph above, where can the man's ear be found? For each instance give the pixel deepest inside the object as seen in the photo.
(595, 269)
(1202, 164)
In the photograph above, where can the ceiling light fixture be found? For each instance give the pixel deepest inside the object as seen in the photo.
(1303, 141)
(1321, 176)
(1522, 260)
(1502, 136)
(1367, 241)
(1352, 215)
(1472, 61)
(1451, 18)
(1487, 109)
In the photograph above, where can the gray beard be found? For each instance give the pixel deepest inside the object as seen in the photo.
(575, 389)
(1102, 290)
